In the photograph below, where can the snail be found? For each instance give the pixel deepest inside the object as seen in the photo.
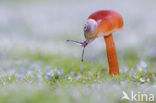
(103, 23)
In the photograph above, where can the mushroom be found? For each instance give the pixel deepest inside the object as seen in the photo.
(104, 23)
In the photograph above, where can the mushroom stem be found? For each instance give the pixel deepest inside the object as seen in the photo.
(111, 55)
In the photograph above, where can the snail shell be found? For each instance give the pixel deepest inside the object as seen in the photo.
(90, 29)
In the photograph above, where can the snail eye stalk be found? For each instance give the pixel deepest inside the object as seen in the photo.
(83, 49)
(77, 42)
(83, 44)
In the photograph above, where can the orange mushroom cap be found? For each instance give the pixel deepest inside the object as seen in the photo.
(109, 21)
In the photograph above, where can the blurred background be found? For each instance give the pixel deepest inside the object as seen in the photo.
(45, 25)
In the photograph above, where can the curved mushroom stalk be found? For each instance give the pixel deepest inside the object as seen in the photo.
(111, 55)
